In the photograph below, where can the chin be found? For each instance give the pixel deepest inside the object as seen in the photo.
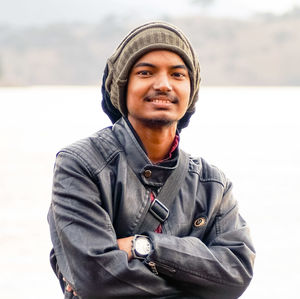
(159, 122)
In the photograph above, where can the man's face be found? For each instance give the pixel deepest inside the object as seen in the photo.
(158, 90)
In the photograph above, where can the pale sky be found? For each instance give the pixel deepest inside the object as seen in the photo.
(37, 12)
(248, 7)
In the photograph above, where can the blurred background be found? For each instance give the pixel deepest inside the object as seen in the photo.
(52, 55)
(67, 42)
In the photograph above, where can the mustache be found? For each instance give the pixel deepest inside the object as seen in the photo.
(160, 95)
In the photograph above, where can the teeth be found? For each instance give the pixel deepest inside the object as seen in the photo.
(161, 101)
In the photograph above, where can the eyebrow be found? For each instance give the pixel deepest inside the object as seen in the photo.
(141, 64)
(144, 64)
(179, 66)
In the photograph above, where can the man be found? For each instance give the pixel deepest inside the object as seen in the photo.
(132, 215)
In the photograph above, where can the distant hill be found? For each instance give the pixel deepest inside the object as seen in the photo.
(261, 51)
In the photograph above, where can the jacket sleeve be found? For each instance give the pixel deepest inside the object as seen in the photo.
(85, 243)
(219, 265)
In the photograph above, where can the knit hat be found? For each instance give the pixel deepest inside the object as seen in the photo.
(143, 39)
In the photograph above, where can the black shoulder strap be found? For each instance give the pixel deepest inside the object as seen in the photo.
(158, 211)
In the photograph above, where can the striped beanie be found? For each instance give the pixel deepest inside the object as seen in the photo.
(145, 38)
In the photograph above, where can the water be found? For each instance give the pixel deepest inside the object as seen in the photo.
(252, 134)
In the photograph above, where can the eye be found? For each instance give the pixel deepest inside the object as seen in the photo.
(179, 75)
(144, 73)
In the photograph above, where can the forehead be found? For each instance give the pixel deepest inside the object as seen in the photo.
(161, 57)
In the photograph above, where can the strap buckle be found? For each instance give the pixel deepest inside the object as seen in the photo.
(159, 210)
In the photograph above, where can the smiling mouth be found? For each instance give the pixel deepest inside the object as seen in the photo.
(161, 100)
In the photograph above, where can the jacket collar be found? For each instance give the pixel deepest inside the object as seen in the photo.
(150, 174)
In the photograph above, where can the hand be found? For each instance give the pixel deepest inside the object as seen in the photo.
(125, 244)
(69, 288)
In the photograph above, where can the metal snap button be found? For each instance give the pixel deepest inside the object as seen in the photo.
(200, 221)
(147, 173)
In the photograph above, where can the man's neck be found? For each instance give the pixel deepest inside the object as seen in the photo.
(157, 141)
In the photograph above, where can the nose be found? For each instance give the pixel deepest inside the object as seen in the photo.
(162, 83)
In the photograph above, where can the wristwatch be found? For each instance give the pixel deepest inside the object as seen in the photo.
(141, 247)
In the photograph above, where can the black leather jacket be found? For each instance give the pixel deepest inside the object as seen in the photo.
(99, 194)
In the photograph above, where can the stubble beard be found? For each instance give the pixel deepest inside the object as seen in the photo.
(160, 122)
(157, 122)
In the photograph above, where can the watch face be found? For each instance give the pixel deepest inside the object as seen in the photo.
(142, 246)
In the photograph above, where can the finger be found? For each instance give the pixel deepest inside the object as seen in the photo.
(68, 288)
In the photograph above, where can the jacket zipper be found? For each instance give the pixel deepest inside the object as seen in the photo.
(153, 266)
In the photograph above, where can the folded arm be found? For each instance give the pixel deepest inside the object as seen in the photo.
(85, 243)
(92, 259)
(219, 265)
